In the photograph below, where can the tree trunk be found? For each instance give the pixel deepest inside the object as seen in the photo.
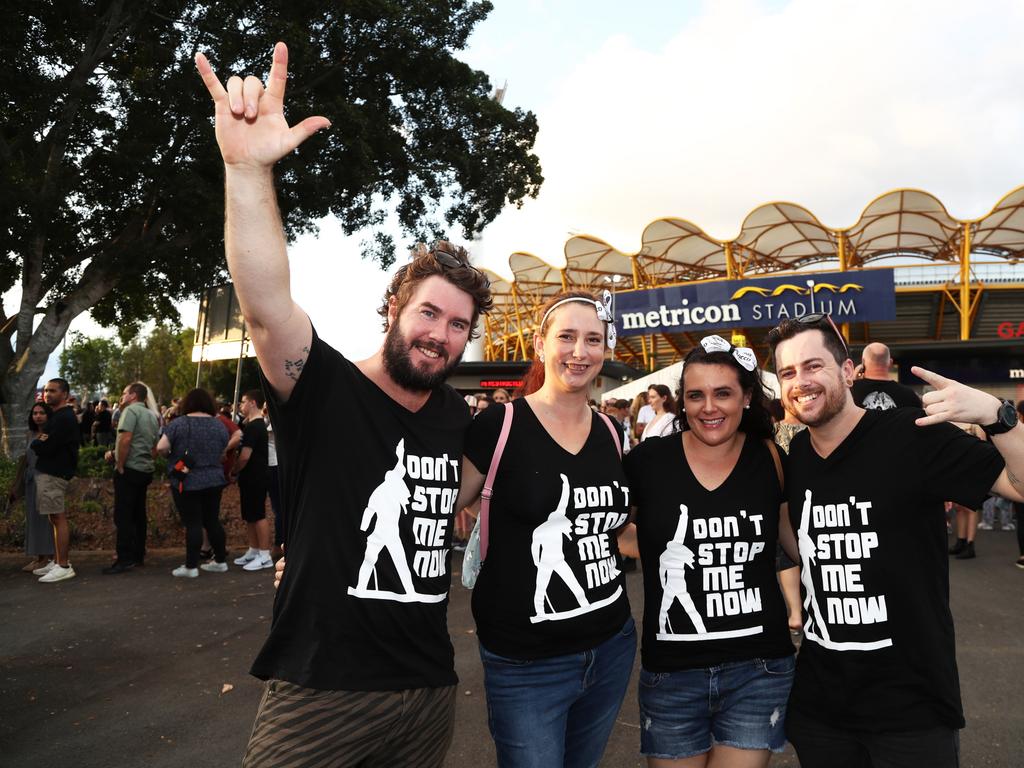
(14, 416)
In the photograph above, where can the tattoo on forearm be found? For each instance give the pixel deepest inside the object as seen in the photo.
(1015, 481)
(293, 368)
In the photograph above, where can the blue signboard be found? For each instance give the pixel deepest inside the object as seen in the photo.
(847, 296)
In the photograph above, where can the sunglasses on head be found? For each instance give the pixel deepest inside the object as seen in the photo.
(451, 261)
(813, 320)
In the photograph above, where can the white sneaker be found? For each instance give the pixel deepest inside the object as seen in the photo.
(258, 564)
(185, 572)
(248, 557)
(983, 526)
(58, 573)
(43, 570)
(214, 567)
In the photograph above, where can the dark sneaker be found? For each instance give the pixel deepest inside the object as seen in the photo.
(117, 567)
(968, 552)
(960, 546)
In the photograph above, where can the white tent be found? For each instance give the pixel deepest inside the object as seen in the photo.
(670, 378)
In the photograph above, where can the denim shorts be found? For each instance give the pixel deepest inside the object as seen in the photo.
(741, 704)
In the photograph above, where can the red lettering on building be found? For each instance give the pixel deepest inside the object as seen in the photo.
(1010, 330)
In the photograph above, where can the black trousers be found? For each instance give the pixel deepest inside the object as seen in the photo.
(280, 521)
(130, 514)
(1018, 510)
(819, 745)
(199, 510)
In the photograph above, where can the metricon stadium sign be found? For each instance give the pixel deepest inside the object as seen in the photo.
(864, 295)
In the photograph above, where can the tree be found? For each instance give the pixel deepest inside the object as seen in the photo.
(111, 187)
(85, 362)
(162, 360)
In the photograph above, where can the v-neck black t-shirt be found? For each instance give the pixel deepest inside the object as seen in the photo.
(711, 595)
(550, 585)
(879, 652)
(370, 492)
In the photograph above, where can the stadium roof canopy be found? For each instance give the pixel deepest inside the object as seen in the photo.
(910, 225)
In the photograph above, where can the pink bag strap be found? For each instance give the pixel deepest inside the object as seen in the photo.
(487, 492)
(615, 432)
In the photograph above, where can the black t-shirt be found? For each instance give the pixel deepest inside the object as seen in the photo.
(370, 492)
(58, 454)
(876, 395)
(254, 435)
(711, 595)
(104, 421)
(550, 585)
(879, 652)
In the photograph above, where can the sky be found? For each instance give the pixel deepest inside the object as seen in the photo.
(705, 110)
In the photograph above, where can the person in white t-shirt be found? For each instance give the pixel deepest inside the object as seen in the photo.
(659, 398)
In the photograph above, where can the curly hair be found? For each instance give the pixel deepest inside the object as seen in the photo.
(425, 264)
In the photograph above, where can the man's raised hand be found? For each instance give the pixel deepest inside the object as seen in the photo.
(953, 401)
(251, 129)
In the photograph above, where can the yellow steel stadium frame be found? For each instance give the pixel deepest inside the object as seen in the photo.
(944, 267)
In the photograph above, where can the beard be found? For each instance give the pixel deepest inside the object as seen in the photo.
(835, 401)
(399, 365)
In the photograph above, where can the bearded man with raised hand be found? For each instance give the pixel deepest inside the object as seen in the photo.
(360, 671)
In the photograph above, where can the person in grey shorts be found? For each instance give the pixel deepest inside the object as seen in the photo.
(56, 450)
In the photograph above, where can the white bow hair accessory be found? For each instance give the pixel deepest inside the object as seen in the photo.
(743, 355)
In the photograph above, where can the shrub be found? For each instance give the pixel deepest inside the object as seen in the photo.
(91, 463)
(7, 470)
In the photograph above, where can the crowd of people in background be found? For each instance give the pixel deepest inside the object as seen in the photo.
(207, 447)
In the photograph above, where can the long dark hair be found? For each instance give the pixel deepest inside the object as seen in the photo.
(534, 378)
(670, 402)
(756, 421)
(49, 412)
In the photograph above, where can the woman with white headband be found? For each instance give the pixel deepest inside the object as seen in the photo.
(556, 636)
(717, 659)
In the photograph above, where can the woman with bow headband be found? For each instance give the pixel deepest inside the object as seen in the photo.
(717, 659)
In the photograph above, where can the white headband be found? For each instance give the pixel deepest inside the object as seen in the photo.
(604, 312)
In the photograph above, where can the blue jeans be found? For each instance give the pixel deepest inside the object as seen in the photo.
(558, 712)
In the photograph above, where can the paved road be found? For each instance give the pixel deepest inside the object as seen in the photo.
(131, 670)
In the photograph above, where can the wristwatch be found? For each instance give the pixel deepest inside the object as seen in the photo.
(1006, 419)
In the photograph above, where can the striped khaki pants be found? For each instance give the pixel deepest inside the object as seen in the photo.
(300, 727)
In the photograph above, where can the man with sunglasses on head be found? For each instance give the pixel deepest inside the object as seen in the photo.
(876, 681)
(359, 664)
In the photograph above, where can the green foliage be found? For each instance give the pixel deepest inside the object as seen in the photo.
(163, 360)
(85, 362)
(90, 506)
(91, 463)
(7, 469)
(111, 189)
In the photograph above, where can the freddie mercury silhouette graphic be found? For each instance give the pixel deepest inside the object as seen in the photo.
(386, 505)
(816, 627)
(549, 557)
(672, 566)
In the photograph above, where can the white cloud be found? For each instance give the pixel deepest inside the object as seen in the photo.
(824, 104)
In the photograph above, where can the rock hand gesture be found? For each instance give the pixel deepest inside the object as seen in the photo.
(250, 125)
